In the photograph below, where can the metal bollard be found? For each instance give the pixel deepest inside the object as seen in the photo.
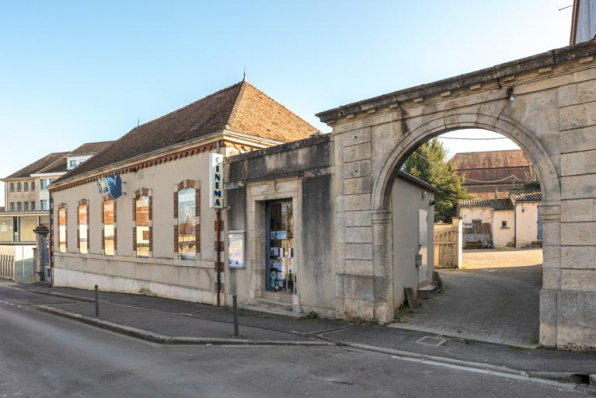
(96, 301)
(235, 304)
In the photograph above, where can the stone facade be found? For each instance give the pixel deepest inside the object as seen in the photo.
(552, 119)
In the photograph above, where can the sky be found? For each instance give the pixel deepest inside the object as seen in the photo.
(83, 71)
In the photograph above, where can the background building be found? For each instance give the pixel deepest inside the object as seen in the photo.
(493, 171)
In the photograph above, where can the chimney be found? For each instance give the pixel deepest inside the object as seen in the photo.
(496, 193)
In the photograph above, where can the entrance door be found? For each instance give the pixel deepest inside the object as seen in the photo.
(281, 267)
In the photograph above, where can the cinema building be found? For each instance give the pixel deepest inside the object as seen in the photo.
(138, 217)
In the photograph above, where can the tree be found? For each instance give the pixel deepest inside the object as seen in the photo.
(531, 180)
(429, 164)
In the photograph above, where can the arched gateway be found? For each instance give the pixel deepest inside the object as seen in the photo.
(547, 105)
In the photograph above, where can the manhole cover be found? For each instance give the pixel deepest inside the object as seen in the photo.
(431, 341)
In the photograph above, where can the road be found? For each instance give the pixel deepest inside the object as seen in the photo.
(45, 356)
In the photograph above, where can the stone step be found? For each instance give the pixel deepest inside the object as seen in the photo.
(285, 297)
(265, 312)
(271, 303)
(426, 292)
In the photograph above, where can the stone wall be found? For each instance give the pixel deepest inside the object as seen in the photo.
(552, 118)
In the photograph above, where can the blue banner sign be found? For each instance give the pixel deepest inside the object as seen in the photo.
(111, 185)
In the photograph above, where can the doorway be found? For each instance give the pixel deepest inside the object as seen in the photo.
(281, 268)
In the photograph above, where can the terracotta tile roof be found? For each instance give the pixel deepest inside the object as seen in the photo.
(240, 108)
(91, 148)
(495, 204)
(40, 164)
(490, 159)
(520, 195)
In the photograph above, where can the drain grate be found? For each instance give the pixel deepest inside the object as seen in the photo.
(431, 341)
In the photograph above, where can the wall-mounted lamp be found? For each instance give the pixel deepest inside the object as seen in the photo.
(510, 95)
(431, 202)
(423, 194)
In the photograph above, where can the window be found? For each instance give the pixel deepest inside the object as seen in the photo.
(142, 231)
(83, 232)
(187, 223)
(11, 206)
(62, 229)
(12, 187)
(33, 185)
(109, 227)
(43, 204)
(26, 186)
(18, 187)
(26, 206)
(32, 205)
(43, 184)
(73, 164)
(504, 224)
(19, 206)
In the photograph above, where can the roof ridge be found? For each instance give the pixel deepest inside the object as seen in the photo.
(247, 84)
(187, 105)
(236, 106)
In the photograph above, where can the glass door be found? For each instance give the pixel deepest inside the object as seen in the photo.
(281, 267)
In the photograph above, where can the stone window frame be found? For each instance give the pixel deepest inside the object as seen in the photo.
(138, 193)
(83, 202)
(25, 206)
(106, 198)
(32, 205)
(19, 206)
(257, 196)
(26, 186)
(19, 186)
(196, 185)
(62, 206)
(12, 187)
(32, 186)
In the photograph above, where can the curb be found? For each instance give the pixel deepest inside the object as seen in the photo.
(557, 379)
(172, 340)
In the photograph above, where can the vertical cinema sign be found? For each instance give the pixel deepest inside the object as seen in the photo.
(216, 181)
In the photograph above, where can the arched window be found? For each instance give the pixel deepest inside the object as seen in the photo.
(83, 231)
(62, 244)
(187, 222)
(142, 234)
(18, 187)
(108, 217)
(26, 186)
(12, 187)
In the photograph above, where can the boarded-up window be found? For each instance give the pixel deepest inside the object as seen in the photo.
(83, 229)
(187, 235)
(62, 229)
(142, 231)
(109, 228)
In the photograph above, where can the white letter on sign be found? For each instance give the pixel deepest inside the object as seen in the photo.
(216, 181)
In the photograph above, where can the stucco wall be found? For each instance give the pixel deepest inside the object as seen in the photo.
(468, 214)
(526, 223)
(406, 200)
(501, 235)
(163, 273)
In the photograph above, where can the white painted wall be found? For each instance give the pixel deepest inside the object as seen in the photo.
(502, 235)
(526, 224)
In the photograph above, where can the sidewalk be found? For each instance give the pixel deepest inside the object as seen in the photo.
(177, 322)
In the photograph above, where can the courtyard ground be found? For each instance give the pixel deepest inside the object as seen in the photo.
(494, 299)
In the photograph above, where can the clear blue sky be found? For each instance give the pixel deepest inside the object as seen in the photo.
(83, 71)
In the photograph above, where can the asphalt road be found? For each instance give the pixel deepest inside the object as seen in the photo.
(44, 356)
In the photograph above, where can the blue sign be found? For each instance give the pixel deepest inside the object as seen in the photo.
(111, 185)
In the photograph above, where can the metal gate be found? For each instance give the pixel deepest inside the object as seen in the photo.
(7, 267)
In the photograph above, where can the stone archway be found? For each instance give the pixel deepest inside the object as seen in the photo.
(553, 118)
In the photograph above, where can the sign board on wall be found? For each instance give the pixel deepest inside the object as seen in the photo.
(111, 185)
(216, 181)
(236, 249)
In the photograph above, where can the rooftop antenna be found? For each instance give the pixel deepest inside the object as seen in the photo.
(244, 77)
(138, 120)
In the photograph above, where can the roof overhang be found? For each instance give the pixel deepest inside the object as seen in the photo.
(213, 138)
